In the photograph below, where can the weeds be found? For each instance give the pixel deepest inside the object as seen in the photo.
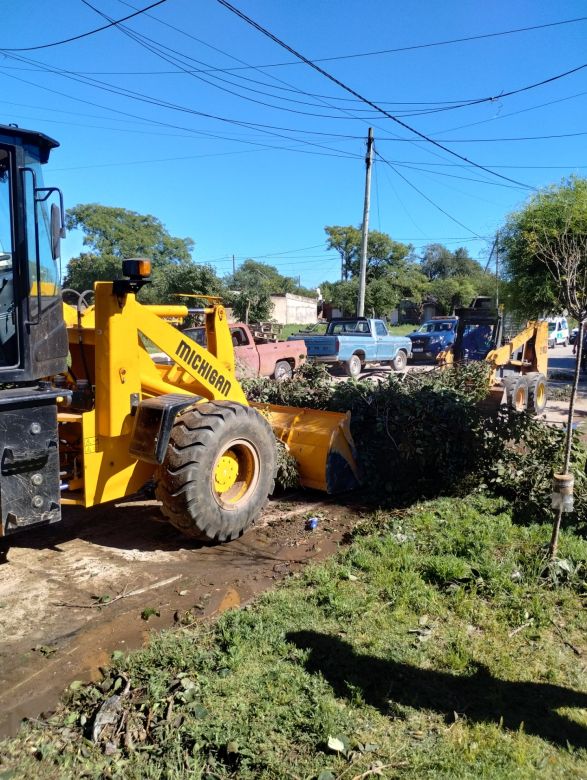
(433, 644)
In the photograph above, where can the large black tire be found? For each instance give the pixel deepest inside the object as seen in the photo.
(353, 367)
(400, 362)
(537, 392)
(283, 370)
(516, 388)
(218, 470)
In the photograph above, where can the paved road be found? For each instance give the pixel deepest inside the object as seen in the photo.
(561, 359)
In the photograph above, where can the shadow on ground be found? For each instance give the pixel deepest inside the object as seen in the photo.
(481, 698)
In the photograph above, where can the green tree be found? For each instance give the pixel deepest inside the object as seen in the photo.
(453, 292)
(173, 280)
(438, 262)
(546, 264)
(342, 295)
(383, 253)
(555, 221)
(250, 289)
(112, 234)
(346, 241)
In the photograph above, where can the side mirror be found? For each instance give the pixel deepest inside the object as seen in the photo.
(57, 231)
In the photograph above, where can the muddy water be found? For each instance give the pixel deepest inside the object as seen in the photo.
(55, 626)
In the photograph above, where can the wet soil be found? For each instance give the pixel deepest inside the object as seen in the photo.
(73, 593)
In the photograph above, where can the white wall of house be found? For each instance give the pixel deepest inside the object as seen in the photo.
(289, 308)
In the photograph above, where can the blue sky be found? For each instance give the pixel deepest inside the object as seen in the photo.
(264, 180)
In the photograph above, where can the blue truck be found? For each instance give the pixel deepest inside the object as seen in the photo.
(433, 336)
(356, 342)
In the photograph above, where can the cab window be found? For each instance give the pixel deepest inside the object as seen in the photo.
(8, 341)
(239, 337)
(38, 235)
(380, 329)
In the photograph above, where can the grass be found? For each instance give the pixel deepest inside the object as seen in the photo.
(289, 330)
(434, 645)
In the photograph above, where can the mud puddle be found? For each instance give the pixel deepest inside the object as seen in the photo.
(72, 594)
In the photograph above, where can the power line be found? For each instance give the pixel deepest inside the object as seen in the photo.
(111, 88)
(413, 47)
(500, 95)
(365, 100)
(450, 105)
(515, 113)
(86, 34)
(156, 48)
(429, 200)
(489, 140)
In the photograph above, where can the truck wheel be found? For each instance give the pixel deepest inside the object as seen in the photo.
(516, 388)
(537, 393)
(353, 366)
(218, 470)
(400, 361)
(283, 370)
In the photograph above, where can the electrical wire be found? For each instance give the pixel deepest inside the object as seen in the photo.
(156, 48)
(110, 88)
(86, 34)
(514, 113)
(449, 105)
(491, 140)
(413, 47)
(368, 102)
(426, 198)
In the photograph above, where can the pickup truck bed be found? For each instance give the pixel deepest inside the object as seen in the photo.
(357, 342)
(255, 357)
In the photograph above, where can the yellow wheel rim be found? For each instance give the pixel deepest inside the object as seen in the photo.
(235, 473)
(520, 399)
(226, 472)
(540, 394)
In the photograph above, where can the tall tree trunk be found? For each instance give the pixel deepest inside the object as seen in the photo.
(553, 548)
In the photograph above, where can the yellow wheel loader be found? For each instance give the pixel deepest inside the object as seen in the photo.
(519, 361)
(87, 417)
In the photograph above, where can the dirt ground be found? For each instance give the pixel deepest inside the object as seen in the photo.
(54, 630)
(55, 624)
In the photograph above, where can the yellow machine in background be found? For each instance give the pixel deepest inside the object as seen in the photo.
(519, 362)
(187, 425)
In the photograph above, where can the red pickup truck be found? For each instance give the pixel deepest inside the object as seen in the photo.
(254, 357)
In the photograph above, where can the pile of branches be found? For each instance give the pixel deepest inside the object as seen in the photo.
(426, 435)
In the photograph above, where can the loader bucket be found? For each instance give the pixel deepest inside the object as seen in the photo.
(321, 443)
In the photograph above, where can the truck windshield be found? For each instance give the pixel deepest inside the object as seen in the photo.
(434, 327)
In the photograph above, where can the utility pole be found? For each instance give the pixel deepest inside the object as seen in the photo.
(233, 266)
(497, 270)
(365, 230)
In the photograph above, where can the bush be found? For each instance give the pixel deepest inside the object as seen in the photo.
(426, 435)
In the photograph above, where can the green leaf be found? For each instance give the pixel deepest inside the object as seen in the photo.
(149, 612)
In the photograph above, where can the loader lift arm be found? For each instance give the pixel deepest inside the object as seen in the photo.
(98, 423)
